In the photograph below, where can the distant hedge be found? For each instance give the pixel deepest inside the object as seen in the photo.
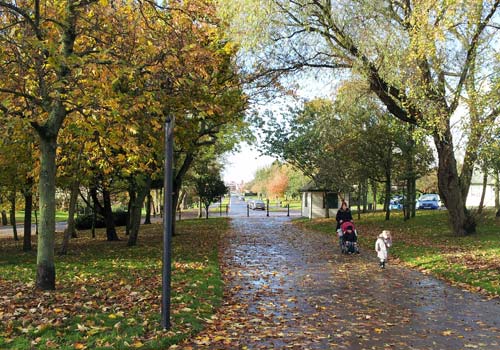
(84, 222)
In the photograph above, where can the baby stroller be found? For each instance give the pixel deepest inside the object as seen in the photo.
(348, 238)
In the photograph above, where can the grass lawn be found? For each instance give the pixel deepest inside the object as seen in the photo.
(426, 243)
(60, 216)
(108, 295)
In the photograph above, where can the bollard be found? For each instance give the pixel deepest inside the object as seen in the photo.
(288, 209)
(248, 211)
(267, 208)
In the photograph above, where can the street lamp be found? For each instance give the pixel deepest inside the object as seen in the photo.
(167, 224)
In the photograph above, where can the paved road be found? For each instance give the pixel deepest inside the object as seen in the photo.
(238, 209)
(289, 289)
(6, 231)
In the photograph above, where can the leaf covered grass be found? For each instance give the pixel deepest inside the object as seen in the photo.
(426, 242)
(108, 295)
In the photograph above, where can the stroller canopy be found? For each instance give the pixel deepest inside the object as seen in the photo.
(345, 226)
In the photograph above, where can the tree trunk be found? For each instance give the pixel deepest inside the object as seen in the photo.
(108, 216)
(46, 271)
(154, 200)
(142, 191)
(36, 222)
(359, 201)
(374, 191)
(365, 195)
(461, 221)
(70, 231)
(94, 216)
(5, 221)
(28, 207)
(200, 210)
(387, 200)
(206, 211)
(413, 197)
(483, 193)
(132, 195)
(149, 200)
(409, 198)
(13, 214)
(497, 193)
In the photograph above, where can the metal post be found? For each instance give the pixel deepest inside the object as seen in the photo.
(220, 206)
(267, 207)
(248, 210)
(167, 224)
(288, 211)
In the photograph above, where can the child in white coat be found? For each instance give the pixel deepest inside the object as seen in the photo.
(382, 245)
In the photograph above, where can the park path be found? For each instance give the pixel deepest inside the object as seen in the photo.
(290, 289)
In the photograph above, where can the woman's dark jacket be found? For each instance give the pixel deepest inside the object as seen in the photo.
(344, 215)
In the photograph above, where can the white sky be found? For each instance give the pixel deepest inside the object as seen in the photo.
(242, 166)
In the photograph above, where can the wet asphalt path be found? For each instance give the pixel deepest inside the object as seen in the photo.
(290, 289)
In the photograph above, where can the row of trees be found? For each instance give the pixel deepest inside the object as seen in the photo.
(277, 181)
(428, 63)
(86, 87)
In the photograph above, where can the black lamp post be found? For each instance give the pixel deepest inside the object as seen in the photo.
(167, 224)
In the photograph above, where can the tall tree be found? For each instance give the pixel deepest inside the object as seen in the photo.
(210, 188)
(42, 61)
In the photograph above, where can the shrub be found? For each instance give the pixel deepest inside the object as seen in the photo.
(84, 222)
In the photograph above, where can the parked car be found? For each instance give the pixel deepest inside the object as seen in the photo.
(429, 201)
(395, 204)
(256, 204)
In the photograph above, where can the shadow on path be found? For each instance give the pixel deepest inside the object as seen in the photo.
(290, 289)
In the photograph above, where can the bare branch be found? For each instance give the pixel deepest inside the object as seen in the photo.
(471, 52)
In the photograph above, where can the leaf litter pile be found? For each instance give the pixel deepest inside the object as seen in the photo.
(108, 295)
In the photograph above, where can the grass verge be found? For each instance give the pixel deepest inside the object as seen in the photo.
(108, 295)
(426, 243)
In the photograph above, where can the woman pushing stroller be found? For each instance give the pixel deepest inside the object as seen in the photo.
(346, 230)
(343, 215)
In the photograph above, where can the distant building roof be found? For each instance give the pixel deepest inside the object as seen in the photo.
(311, 186)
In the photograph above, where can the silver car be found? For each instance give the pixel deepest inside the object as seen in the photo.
(257, 204)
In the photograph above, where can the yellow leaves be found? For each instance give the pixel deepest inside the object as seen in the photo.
(205, 340)
(79, 346)
(117, 314)
(137, 344)
(447, 333)
(81, 328)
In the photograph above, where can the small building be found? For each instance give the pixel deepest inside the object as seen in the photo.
(476, 190)
(315, 201)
